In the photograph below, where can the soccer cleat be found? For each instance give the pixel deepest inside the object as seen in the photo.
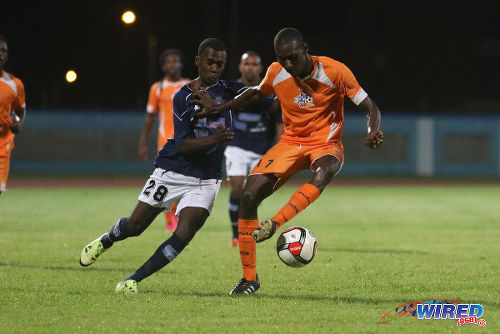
(91, 252)
(245, 287)
(126, 287)
(235, 243)
(265, 230)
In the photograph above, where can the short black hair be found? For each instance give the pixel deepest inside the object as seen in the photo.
(212, 43)
(288, 35)
(168, 52)
(3, 39)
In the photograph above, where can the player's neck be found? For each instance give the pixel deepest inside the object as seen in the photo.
(172, 78)
(199, 83)
(308, 70)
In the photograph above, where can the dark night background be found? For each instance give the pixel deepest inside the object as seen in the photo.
(410, 56)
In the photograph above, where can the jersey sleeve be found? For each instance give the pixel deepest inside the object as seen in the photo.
(236, 87)
(266, 86)
(20, 101)
(153, 105)
(183, 125)
(352, 88)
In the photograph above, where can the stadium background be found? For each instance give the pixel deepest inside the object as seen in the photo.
(432, 68)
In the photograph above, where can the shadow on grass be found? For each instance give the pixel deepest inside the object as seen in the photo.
(76, 267)
(373, 251)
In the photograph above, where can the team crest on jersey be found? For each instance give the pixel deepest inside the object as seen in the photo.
(304, 100)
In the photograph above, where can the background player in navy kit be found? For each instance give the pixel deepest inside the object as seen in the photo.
(254, 133)
(188, 170)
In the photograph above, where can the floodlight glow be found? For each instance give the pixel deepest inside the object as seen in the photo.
(128, 17)
(70, 76)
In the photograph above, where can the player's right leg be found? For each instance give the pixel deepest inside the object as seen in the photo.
(142, 216)
(256, 189)
(152, 200)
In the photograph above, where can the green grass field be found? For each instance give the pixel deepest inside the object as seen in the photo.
(378, 247)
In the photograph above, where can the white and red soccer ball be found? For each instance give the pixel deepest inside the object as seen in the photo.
(296, 246)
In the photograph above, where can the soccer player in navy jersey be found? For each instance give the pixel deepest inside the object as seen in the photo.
(255, 132)
(188, 170)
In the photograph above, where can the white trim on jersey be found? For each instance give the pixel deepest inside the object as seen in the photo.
(283, 75)
(9, 81)
(359, 97)
(321, 76)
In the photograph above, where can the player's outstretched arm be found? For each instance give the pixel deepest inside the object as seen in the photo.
(192, 145)
(143, 148)
(210, 108)
(375, 136)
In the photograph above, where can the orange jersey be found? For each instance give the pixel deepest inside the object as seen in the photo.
(313, 108)
(160, 100)
(11, 98)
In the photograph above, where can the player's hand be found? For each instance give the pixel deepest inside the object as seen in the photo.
(143, 152)
(210, 108)
(15, 127)
(222, 134)
(374, 139)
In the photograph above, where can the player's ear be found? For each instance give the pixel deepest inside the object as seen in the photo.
(197, 60)
(306, 48)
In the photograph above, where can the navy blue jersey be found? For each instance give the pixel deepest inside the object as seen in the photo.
(205, 164)
(255, 129)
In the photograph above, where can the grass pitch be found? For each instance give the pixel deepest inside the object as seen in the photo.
(378, 247)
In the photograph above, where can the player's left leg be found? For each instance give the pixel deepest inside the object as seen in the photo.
(191, 219)
(195, 201)
(325, 168)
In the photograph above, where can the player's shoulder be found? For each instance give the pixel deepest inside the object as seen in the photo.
(234, 86)
(329, 63)
(11, 77)
(183, 93)
(274, 68)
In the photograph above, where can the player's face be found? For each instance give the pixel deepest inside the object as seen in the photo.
(250, 68)
(172, 65)
(4, 54)
(293, 58)
(210, 65)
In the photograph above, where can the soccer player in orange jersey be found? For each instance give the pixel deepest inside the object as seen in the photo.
(160, 102)
(311, 90)
(12, 112)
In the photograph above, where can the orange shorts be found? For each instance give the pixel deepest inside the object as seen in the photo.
(5, 149)
(285, 159)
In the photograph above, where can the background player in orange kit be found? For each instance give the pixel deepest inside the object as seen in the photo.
(311, 91)
(12, 112)
(160, 102)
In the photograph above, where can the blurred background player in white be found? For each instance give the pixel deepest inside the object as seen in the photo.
(160, 102)
(12, 112)
(254, 133)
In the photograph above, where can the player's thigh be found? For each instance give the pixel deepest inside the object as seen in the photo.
(142, 216)
(258, 187)
(328, 156)
(191, 219)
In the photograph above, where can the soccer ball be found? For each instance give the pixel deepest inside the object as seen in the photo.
(296, 246)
